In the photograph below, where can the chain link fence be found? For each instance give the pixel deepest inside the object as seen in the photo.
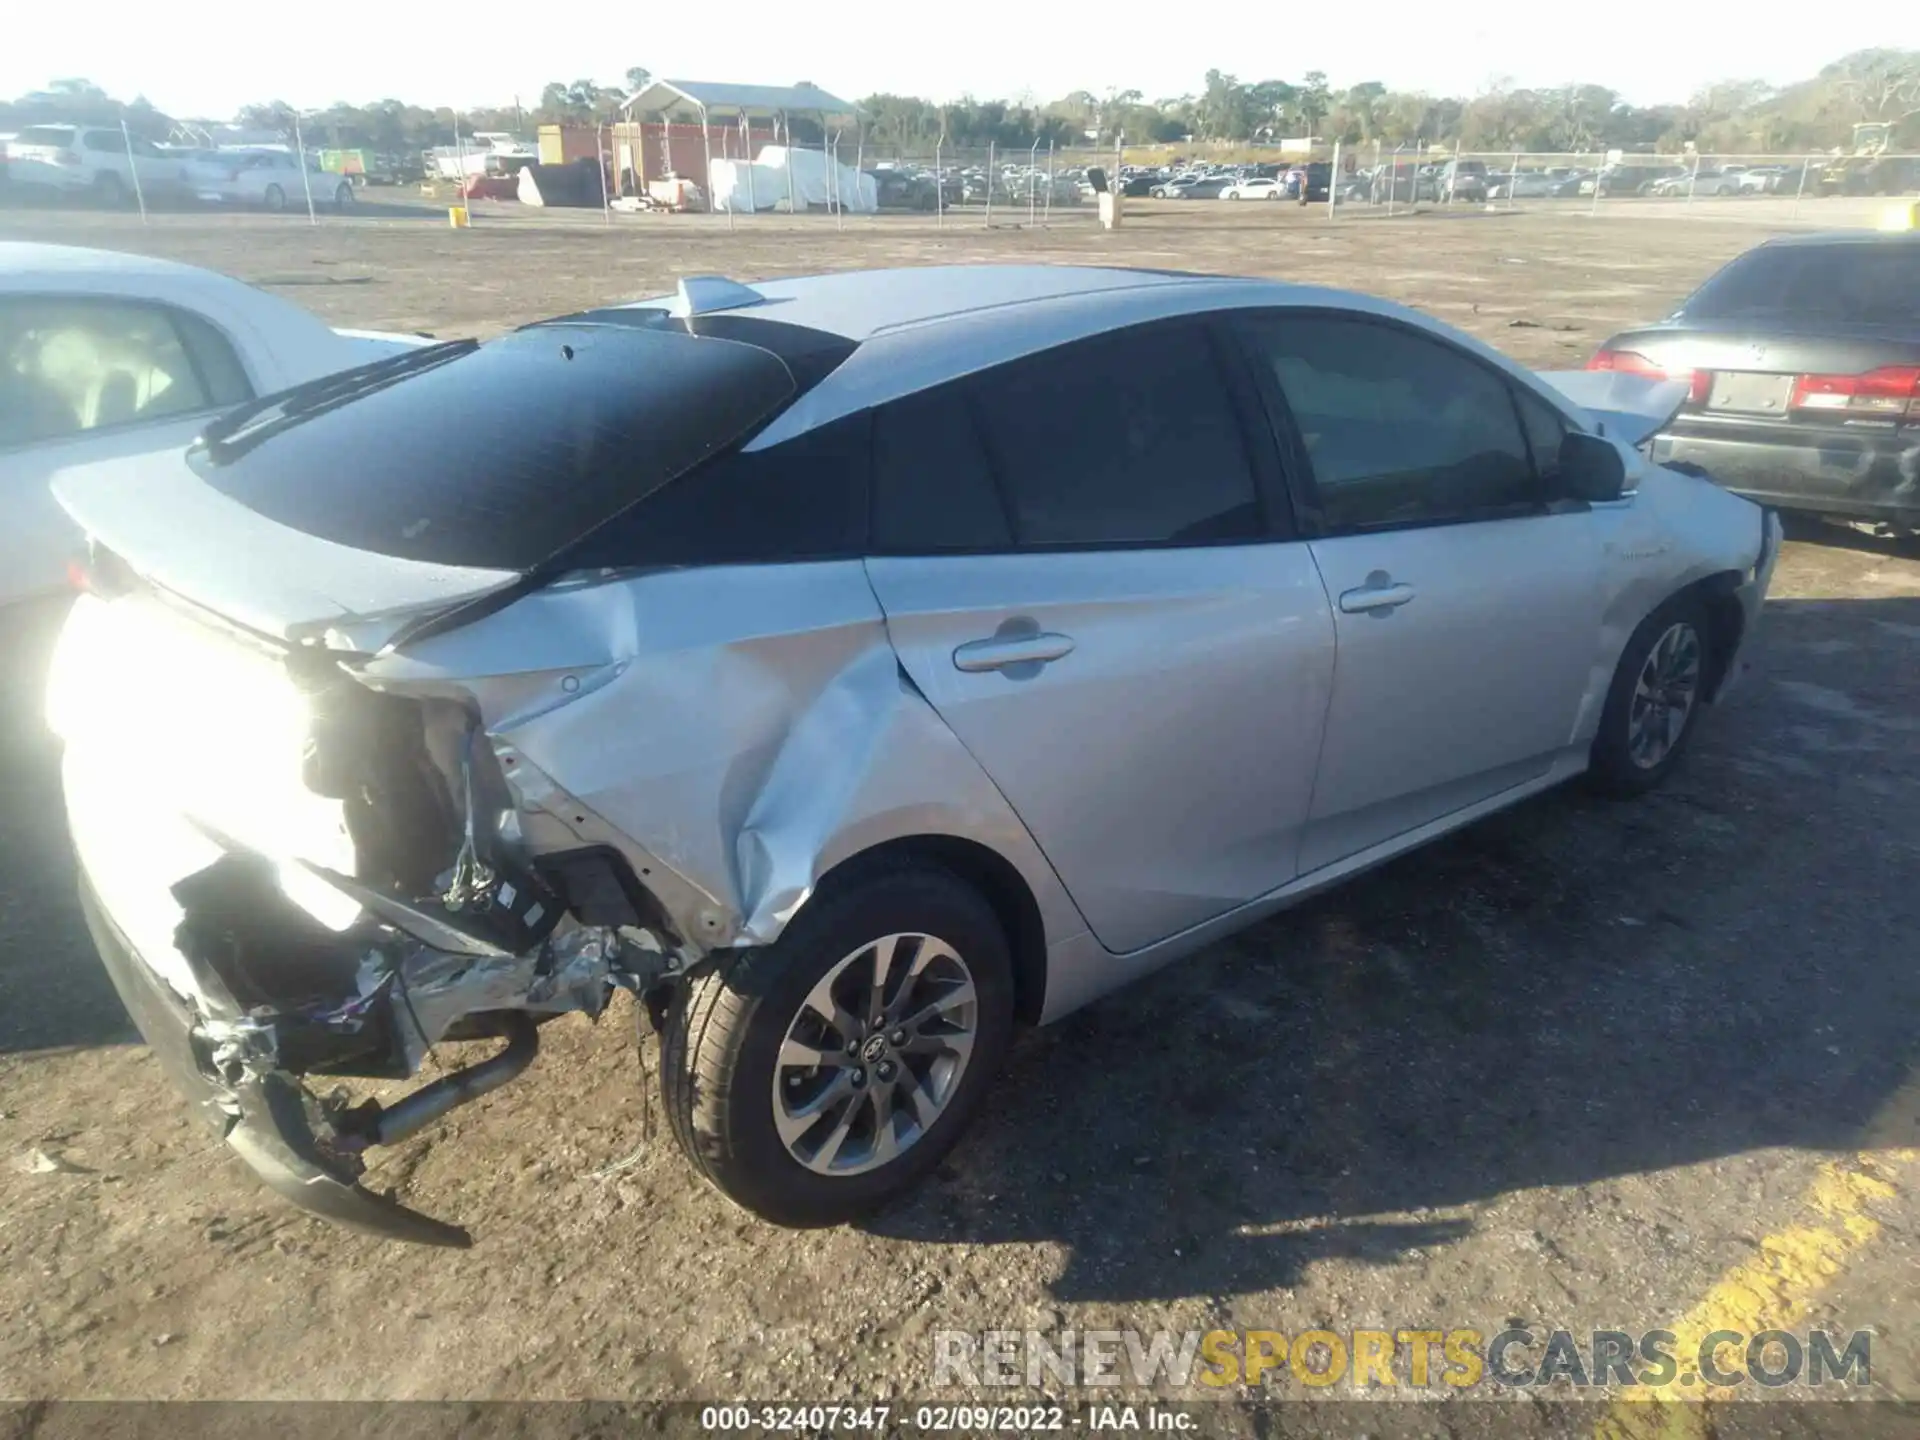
(1042, 186)
(1374, 176)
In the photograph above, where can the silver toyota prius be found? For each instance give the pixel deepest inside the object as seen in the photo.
(853, 668)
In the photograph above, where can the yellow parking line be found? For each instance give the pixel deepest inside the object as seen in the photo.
(1774, 1290)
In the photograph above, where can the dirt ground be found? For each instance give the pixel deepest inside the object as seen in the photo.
(1569, 1067)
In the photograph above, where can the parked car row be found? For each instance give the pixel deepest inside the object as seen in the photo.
(113, 169)
(1406, 180)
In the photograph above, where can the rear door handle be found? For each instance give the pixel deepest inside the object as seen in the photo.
(1002, 651)
(1375, 597)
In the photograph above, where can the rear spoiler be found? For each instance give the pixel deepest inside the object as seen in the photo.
(1623, 407)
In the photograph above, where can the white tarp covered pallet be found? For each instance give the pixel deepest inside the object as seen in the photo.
(767, 188)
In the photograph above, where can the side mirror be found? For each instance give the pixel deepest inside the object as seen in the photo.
(1591, 468)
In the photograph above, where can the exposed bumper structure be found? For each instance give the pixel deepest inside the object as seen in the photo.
(266, 1117)
(258, 944)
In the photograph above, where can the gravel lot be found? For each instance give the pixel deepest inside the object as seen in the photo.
(1568, 1067)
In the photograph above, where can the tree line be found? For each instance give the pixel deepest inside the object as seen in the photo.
(1730, 117)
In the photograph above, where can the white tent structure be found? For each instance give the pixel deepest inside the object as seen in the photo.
(782, 177)
(712, 105)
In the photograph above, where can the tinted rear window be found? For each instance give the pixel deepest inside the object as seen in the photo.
(44, 135)
(1852, 284)
(498, 455)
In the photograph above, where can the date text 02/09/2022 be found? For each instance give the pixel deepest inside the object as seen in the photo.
(943, 1418)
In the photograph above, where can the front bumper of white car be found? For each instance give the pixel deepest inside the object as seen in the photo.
(1752, 594)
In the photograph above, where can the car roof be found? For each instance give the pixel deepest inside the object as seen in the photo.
(273, 326)
(27, 260)
(1850, 237)
(860, 304)
(914, 329)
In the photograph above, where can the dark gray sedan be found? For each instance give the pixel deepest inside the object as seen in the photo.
(1802, 359)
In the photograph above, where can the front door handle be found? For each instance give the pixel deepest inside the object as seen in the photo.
(1003, 651)
(1374, 597)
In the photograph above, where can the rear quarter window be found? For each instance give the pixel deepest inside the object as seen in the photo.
(805, 499)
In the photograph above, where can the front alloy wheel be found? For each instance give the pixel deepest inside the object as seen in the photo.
(1653, 705)
(1664, 695)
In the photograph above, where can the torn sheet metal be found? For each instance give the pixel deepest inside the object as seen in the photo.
(735, 733)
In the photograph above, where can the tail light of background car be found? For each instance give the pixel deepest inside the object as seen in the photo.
(1890, 393)
(1631, 362)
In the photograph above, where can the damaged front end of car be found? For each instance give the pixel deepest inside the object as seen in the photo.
(303, 879)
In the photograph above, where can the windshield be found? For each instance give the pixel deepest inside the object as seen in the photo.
(497, 455)
(1848, 284)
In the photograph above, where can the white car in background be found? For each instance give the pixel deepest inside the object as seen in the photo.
(1759, 179)
(264, 179)
(1255, 190)
(1523, 185)
(104, 356)
(95, 160)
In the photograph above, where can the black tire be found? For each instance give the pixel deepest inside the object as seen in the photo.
(111, 189)
(725, 1031)
(275, 199)
(1613, 768)
(343, 195)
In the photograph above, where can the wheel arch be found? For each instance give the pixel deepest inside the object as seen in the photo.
(1719, 596)
(998, 881)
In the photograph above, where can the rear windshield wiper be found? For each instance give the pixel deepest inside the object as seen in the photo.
(240, 429)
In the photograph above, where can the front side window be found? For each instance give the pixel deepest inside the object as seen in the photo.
(70, 365)
(1546, 432)
(1125, 438)
(1399, 429)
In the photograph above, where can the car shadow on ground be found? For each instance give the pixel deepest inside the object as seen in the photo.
(1573, 990)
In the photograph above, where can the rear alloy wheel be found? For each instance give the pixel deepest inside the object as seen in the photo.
(275, 199)
(1654, 704)
(815, 1079)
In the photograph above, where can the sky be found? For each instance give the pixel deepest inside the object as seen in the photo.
(210, 58)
